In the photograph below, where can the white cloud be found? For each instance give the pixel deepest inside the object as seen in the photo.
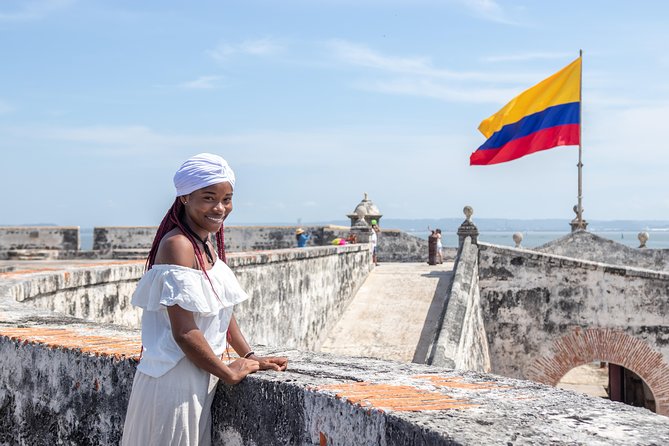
(530, 56)
(431, 89)
(202, 83)
(418, 76)
(363, 56)
(488, 10)
(258, 47)
(34, 10)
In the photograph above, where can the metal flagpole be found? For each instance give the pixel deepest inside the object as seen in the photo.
(580, 223)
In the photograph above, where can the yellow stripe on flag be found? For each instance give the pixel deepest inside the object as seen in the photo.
(561, 88)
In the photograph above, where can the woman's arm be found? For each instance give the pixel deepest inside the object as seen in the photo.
(196, 348)
(238, 342)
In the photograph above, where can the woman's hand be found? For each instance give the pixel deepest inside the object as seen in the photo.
(278, 363)
(242, 367)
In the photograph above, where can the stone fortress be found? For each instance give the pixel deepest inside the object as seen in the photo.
(511, 323)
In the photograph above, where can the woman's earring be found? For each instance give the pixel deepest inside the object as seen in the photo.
(185, 202)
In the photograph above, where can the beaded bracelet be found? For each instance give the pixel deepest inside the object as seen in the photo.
(249, 354)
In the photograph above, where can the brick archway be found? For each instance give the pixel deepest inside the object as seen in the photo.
(604, 344)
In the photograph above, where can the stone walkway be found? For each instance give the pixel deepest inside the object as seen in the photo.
(395, 313)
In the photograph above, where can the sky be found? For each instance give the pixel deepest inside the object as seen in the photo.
(314, 103)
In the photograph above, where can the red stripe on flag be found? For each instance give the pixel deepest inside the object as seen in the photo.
(563, 135)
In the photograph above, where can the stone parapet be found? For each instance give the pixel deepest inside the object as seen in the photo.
(462, 342)
(70, 385)
(42, 242)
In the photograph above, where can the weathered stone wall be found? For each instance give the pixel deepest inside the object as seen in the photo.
(296, 294)
(398, 246)
(108, 238)
(99, 292)
(259, 238)
(587, 246)
(462, 341)
(67, 381)
(134, 242)
(70, 384)
(534, 304)
(37, 241)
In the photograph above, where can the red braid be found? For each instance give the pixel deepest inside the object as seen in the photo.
(173, 220)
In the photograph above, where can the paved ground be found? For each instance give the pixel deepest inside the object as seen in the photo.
(394, 314)
(590, 379)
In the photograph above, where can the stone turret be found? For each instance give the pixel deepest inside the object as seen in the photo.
(365, 211)
(361, 219)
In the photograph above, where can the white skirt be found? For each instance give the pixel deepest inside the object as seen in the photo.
(174, 409)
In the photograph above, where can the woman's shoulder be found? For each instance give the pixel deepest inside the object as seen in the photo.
(175, 249)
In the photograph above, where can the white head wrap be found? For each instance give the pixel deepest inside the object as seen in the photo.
(200, 171)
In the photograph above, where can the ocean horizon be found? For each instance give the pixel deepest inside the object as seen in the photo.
(658, 237)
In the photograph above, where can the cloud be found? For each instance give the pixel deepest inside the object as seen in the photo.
(258, 47)
(418, 76)
(431, 89)
(360, 55)
(202, 83)
(530, 56)
(34, 10)
(260, 148)
(488, 10)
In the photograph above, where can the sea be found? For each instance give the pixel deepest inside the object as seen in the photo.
(658, 239)
(532, 239)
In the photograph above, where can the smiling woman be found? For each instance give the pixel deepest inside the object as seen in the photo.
(187, 300)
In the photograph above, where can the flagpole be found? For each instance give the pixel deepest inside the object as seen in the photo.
(580, 223)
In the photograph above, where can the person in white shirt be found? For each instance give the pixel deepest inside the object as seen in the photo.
(187, 295)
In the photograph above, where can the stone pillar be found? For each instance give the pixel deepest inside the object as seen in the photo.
(467, 229)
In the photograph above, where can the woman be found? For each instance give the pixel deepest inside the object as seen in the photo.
(440, 247)
(187, 295)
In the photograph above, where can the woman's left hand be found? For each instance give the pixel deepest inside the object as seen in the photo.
(278, 363)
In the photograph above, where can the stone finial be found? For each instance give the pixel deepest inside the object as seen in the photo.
(468, 211)
(468, 228)
(643, 238)
(518, 238)
(578, 224)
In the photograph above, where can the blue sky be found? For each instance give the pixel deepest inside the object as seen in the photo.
(314, 103)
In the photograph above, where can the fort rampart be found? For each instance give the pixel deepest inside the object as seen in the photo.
(66, 374)
(545, 314)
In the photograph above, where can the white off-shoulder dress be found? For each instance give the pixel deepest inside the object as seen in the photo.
(171, 397)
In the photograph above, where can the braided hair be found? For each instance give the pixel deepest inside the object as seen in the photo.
(174, 219)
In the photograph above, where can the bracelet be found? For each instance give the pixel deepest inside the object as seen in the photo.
(249, 354)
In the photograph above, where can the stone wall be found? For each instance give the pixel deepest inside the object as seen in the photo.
(587, 246)
(123, 238)
(18, 242)
(296, 294)
(545, 314)
(462, 341)
(69, 383)
(134, 242)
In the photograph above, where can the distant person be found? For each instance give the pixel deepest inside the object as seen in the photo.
(187, 295)
(374, 240)
(301, 237)
(352, 238)
(440, 246)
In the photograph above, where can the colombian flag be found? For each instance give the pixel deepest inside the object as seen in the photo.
(542, 117)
